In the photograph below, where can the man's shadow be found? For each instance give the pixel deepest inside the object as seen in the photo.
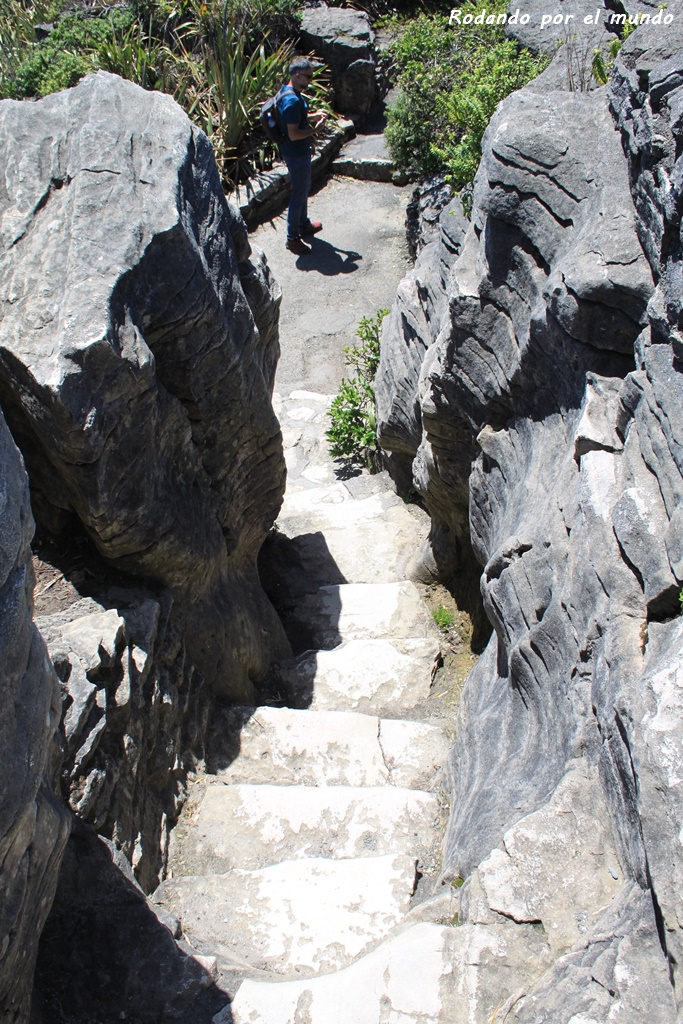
(325, 258)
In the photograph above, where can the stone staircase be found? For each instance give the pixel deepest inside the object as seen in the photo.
(307, 856)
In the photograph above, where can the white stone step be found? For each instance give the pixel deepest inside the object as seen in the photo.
(253, 827)
(404, 981)
(426, 974)
(353, 611)
(335, 748)
(380, 676)
(306, 915)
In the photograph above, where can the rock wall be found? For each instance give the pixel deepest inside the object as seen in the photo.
(135, 713)
(546, 432)
(33, 825)
(138, 343)
(138, 346)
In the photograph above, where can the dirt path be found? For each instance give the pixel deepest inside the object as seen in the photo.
(352, 271)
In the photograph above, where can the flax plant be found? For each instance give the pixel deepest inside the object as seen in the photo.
(222, 85)
(136, 56)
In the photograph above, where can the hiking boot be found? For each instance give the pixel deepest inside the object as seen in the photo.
(312, 228)
(298, 246)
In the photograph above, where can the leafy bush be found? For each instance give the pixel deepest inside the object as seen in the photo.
(272, 21)
(59, 61)
(223, 85)
(468, 108)
(353, 424)
(451, 81)
(134, 55)
(423, 65)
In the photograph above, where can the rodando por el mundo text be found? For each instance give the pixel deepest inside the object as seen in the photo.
(662, 17)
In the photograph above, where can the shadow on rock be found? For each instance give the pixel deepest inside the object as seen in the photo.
(105, 955)
(300, 577)
(325, 258)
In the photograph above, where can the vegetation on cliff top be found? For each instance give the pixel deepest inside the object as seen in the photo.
(220, 59)
(451, 81)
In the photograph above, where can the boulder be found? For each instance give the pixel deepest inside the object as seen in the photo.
(138, 344)
(34, 827)
(576, 25)
(344, 39)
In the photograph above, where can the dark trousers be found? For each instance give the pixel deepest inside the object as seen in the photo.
(299, 168)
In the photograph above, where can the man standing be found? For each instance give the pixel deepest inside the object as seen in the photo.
(295, 148)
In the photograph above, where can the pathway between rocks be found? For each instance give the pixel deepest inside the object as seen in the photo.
(307, 857)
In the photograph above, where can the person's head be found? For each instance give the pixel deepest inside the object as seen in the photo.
(300, 73)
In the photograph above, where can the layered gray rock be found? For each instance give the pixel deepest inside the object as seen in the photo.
(546, 432)
(138, 344)
(576, 25)
(33, 826)
(571, 32)
(344, 39)
(134, 718)
(411, 329)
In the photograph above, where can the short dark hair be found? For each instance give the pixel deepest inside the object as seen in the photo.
(302, 65)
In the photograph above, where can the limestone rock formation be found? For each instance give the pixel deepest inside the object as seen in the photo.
(33, 825)
(571, 31)
(134, 717)
(138, 342)
(138, 345)
(143, 975)
(344, 39)
(540, 403)
(410, 329)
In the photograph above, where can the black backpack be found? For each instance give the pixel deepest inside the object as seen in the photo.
(269, 116)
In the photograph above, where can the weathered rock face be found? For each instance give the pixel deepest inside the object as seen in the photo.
(411, 328)
(105, 955)
(33, 825)
(344, 39)
(138, 343)
(548, 408)
(134, 717)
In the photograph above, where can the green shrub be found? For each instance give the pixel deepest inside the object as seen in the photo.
(223, 86)
(603, 64)
(272, 21)
(443, 617)
(423, 63)
(450, 82)
(469, 107)
(60, 60)
(220, 59)
(353, 424)
(135, 55)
